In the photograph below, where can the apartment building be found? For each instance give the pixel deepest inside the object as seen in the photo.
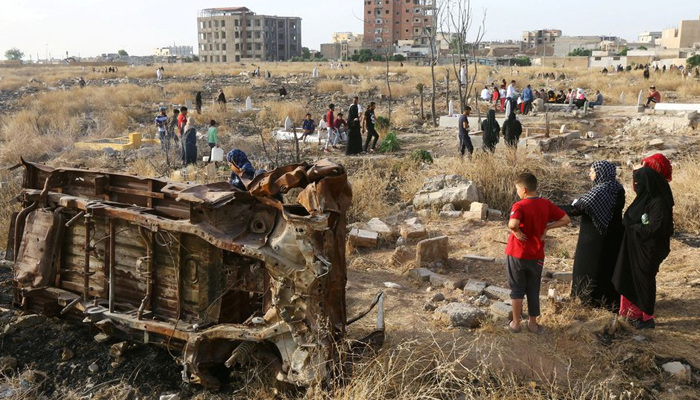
(179, 51)
(237, 34)
(540, 37)
(386, 22)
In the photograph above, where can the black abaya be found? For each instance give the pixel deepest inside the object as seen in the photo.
(190, 147)
(354, 145)
(645, 245)
(596, 256)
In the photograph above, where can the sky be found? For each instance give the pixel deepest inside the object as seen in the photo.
(92, 27)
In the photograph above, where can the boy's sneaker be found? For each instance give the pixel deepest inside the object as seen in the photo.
(650, 324)
(326, 150)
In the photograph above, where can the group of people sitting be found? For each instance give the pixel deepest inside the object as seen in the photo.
(339, 130)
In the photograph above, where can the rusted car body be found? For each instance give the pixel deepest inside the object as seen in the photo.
(217, 274)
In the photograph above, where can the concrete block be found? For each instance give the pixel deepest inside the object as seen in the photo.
(446, 282)
(497, 293)
(503, 310)
(363, 238)
(432, 250)
(385, 231)
(459, 315)
(421, 274)
(472, 216)
(474, 288)
(494, 215)
(475, 257)
(481, 209)
(415, 231)
(678, 370)
(402, 255)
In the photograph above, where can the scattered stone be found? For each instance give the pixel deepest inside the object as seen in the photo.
(479, 258)
(432, 250)
(101, 337)
(377, 225)
(7, 364)
(169, 397)
(94, 367)
(494, 215)
(474, 288)
(363, 238)
(446, 282)
(472, 216)
(66, 354)
(414, 231)
(448, 207)
(480, 209)
(563, 276)
(27, 321)
(459, 315)
(428, 306)
(450, 214)
(446, 189)
(497, 293)
(421, 274)
(481, 300)
(437, 297)
(656, 143)
(639, 338)
(401, 255)
(679, 370)
(109, 151)
(117, 350)
(392, 285)
(500, 309)
(401, 241)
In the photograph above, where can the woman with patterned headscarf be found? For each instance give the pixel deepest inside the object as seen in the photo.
(648, 226)
(599, 238)
(242, 170)
(491, 130)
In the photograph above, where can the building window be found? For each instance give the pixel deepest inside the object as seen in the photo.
(223, 34)
(223, 23)
(257, 35)
(223, 58)
(238, 47)
(217, 58)
(258, 46)
(209, 24)
(249, 47)
(386, 11)
(217, 47)
(249, 35)
(257, 22)
(378, 21)
(223, 46)
(236, 35)
(216, 35)
(216, 24)
(235, 22)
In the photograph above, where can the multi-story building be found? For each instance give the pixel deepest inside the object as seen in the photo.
(179, 51)
(343, 46)
(540, 37)
(685, 36)
(388, 21)
(237, 34)
(649, 37)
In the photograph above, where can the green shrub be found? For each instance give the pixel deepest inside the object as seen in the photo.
(390, 144)
(422, 156)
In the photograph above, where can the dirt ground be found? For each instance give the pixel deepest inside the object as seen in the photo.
(579, 349)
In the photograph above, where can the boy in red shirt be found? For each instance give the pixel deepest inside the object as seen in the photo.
(530, 219)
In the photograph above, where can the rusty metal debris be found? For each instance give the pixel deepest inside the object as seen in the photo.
(218, 275)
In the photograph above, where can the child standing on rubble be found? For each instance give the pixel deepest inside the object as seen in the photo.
(530, 219)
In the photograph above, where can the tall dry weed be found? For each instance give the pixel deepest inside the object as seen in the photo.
(686, 193)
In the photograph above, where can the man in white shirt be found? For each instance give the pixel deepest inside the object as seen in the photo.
(511, 96)
(485, 94)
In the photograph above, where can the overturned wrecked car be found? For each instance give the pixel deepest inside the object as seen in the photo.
(218, 275)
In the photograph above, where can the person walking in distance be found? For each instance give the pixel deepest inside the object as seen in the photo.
(354, 145)
(221, 100)
(368, 124)
(465, 142)
(198, 102)
(162, 123)
(332, 132)
(181, 122)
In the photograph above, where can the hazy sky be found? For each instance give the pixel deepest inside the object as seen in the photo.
(91, 27)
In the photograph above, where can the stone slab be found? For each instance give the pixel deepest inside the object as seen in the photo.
(459, 315)
(474, 288)
(501, 309)
(446, 282)
(497, 293)
(421, 274)
(415, 231)
(363, 238)
(677, 107)
(563, 276)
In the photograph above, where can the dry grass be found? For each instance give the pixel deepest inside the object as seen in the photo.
(329, 86)
(276, 112)
(238, 92)
(685, 192)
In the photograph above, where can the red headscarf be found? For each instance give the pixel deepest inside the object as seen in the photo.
(659, 163)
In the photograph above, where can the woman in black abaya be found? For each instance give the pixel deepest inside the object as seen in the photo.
(354, 144)
(646, 243)
(599, 238)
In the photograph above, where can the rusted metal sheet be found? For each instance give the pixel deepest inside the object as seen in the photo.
(218, 274)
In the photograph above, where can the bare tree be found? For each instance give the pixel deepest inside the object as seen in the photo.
(388, 84)
(459, 20)
(434, 55)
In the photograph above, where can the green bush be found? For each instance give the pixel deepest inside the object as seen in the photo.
(693, 61)
(422, 156)
(390, 144)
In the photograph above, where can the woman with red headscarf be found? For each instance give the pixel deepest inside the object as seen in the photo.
(646, 243)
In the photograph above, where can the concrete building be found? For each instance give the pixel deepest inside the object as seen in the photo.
(651, 37)
(343, 46)
(566, 44)
(237, 34)
(388, 21)
(330, 51)
(685, 36)
(540, 37)
(178, 51)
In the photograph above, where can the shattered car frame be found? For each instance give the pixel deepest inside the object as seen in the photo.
(219, 275)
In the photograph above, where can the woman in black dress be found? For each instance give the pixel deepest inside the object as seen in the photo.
(491, 130)
(512, 129)
(354, 145)
(599, 237)
(646, 243)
